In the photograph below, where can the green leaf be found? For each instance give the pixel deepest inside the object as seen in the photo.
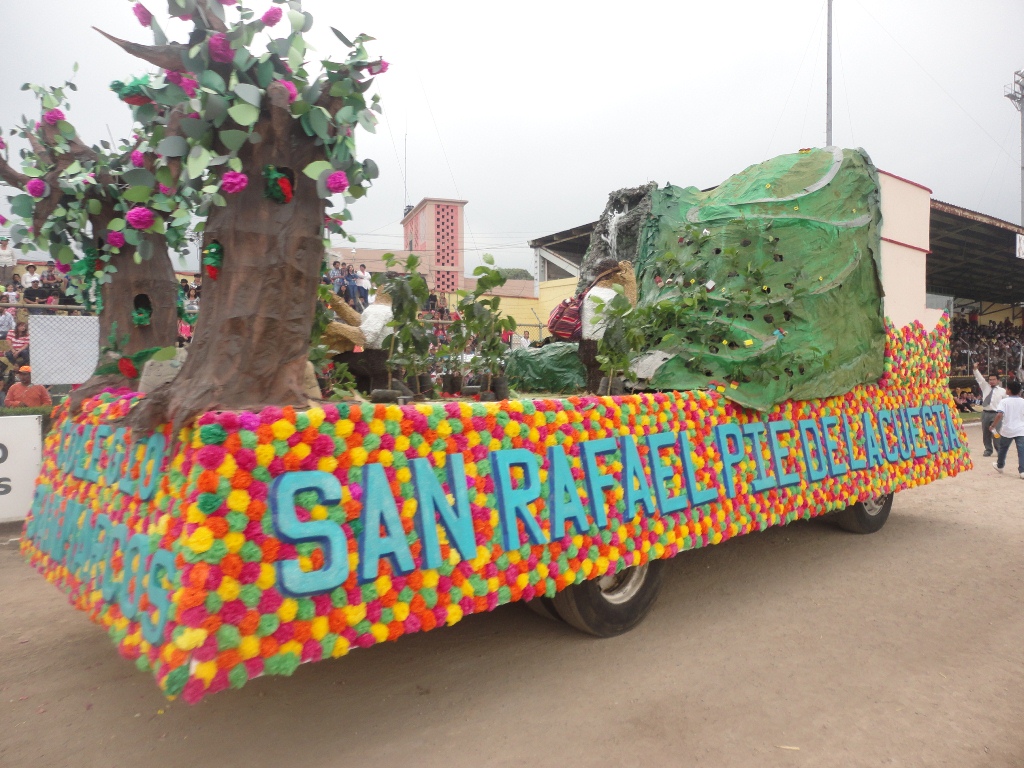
(216, 108)
(116, 225)
(265, 73)
(131, 236)
(370, 170)
(172, 146)
(249, 93)
(319, 121)
(244, 114)
(22, 205)
(138, 177)
(343, 39)
(198, 160)
(193, 128)
(368, 121)
(233, 140)
(210, 79)
(235, 164)
(94, 207)
(346, 115)
(137, 194)
(166, 353)
(313, 170)
(298, 21)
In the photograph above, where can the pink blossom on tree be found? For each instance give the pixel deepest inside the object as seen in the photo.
(337, 182)
(36, 188)
(220, 49)
(138, 159)
(233, 182)
(272, 16)
(142, 14)
(115, 239)
(53, 117)
(140, 217)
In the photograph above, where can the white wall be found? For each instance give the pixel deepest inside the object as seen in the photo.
(906, 223)
(21, 451)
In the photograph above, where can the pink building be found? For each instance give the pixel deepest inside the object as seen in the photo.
(435, 230)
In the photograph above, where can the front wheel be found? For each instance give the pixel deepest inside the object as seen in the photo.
(865, 516)
(612, 604)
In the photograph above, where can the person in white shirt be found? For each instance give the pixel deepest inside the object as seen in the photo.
(363, 284)
(8, 261)
(991, 395)
(1009, 425)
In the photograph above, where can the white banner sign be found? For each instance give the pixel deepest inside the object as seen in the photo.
(21, 455)
(1020, 246)
(65, 348)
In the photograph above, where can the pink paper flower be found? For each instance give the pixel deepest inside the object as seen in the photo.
(53, 117)
(189, 86)
(379, 67)
(272, 16)
(142, 14)
(173, 77)
(220, 49)
(140, 217)
(293, 94)
(228, 2)
(165, 190)
(337, 182)
(3, 219)
(3, 144)
(115, 239)
(233, 182)
(63, 268)
(138, 158)
(36, 187)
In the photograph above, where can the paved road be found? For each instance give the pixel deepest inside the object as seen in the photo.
(802, 646)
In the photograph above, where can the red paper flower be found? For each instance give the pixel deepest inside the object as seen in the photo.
(127, 368)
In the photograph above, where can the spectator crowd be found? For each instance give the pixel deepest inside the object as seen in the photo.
(995, 347)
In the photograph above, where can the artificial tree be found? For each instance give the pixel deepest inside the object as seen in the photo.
(266, 141)
(75, 195)
(480, 319)
(409, 342)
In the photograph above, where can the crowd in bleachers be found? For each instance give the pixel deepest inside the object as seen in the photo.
(995, 347)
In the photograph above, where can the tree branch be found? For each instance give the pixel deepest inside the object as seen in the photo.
(210, 17)
(12, 177)
(169, 57)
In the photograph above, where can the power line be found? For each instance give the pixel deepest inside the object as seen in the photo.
(935, 80)
(796, 77)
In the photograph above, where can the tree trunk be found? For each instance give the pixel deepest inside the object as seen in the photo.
(251, 341)
(149, 284)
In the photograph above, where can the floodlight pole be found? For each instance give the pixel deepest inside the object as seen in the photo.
(1015, 93)
(828, 83)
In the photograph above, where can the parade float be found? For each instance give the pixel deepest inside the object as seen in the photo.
(223, 527)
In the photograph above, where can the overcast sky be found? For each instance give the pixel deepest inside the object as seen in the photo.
(535, 111)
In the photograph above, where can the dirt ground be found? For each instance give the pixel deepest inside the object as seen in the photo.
(802, 646)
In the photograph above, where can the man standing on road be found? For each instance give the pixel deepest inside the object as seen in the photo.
(8, 261)
(25, 394)
(1009, 424)
(991, 395)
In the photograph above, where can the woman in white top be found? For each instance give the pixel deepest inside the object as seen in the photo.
(1009, 425)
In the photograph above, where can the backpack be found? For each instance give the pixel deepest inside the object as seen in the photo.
(566, 319)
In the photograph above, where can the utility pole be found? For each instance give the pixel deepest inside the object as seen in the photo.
(1015, 93)
(828, 83)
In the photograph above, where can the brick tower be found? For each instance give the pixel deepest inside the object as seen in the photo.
(434, 229)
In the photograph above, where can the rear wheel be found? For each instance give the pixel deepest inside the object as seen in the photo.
(613, 604)
(865, 516)
(543, 606)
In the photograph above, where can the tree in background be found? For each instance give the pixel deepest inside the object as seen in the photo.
(238, 117)
(74, 196)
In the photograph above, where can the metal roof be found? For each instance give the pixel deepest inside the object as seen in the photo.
(973, 256)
